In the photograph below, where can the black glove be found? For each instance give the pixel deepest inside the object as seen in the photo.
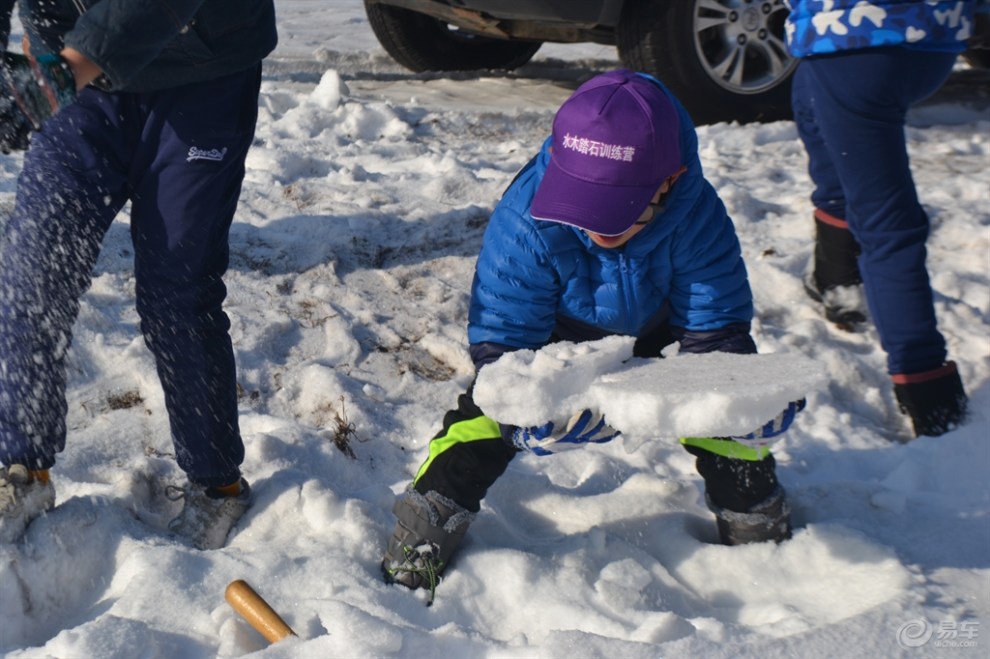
(39, 87)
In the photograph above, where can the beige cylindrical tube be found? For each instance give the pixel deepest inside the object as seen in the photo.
(253, 608)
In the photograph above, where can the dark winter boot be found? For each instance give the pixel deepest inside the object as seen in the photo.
(935, 400)
(428, 530)
(748, 502)
(768, 520)
(835, 280)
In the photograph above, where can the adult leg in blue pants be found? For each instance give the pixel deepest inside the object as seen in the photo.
(180, 162)
(185, 192)
(66, 200)
(852, 108)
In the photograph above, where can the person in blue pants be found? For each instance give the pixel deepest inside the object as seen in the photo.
(153, 104)
(864, 64)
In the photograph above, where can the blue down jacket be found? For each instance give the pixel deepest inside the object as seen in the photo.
(150, 45)
(535, 278)
(829, 26)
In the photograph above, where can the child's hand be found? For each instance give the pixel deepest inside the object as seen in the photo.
(771, 431)
(585, 427)
(39, 87)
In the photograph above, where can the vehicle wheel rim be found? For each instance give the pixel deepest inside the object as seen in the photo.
(740, 43)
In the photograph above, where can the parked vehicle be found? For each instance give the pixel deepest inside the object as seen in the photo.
(725, 59)
(978, 53)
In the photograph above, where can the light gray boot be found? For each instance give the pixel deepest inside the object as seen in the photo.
(428, 530)
(207, 515)
(22, 498)
(768, 520)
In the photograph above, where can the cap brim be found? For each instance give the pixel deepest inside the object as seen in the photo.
(607, 210)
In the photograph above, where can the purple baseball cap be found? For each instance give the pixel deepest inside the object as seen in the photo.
(615, 140)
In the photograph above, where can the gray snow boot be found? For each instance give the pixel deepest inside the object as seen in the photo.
(22, 498)
(768, 520)
(428, 530)
(208, 515)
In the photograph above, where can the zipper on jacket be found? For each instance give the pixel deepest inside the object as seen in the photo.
(627, 290)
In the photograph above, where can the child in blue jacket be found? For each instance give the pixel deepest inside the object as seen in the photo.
(610, 229)
(117, 101)
(863, 65)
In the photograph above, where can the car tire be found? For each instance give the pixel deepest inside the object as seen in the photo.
(977, 58)
(978, 53)
(724, 59)
(423, 43)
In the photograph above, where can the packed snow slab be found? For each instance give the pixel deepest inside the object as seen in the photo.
(685, 395)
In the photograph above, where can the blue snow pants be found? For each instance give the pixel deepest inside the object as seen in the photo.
(178, 156)
(850, 110)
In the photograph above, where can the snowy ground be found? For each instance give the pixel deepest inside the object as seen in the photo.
(363, 209)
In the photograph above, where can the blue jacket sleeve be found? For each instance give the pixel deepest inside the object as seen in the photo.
(515, 292)
(710, 299)
(710, 288)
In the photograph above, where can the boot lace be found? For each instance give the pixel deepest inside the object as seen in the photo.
(422, 562)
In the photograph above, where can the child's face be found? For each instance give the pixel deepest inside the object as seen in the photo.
(611, 242)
